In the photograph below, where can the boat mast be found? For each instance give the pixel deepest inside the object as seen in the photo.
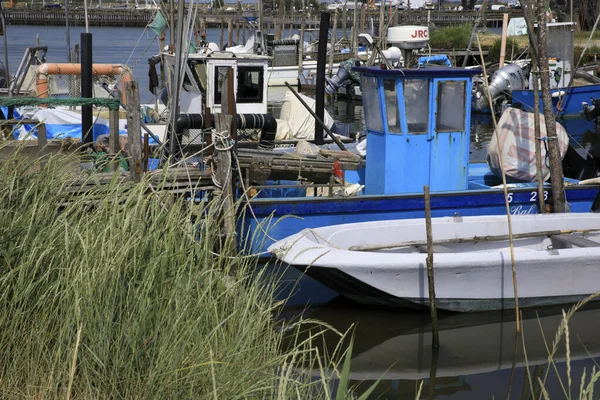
(176, 83)
(259, 32)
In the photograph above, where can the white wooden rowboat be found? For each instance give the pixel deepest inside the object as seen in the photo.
(557, 260)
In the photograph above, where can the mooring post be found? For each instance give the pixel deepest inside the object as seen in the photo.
(363, 17)
(301, 45)
(530, 17)
(42, 144)
(321, 61)
(503, 40)
(382, 24)
(333, 40)
(435, 355)
(556, 171)
(146, 152)
(221, 35)
(87, 135)
(229, 32)
(231, 103)
(114, 145)
(225, 178)
(134, 131)
(435, 338)
(355, 29)
(207, 128)
(345, 22)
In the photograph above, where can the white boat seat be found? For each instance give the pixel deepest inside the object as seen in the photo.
(568, 240)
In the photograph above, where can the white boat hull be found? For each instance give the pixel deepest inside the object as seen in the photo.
(470, 275)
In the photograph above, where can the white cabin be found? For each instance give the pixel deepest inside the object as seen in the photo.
(205, 74)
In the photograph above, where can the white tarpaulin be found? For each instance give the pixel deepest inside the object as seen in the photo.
(517, 27)
(516, 131)
(301, 123)
(61, 124)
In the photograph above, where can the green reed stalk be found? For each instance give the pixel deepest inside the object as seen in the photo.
(121, 293)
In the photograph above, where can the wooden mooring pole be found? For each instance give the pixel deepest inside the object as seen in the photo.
(229, 32)
(556, 171)
(114, 145)
(225, 125)
(134, 131)
(435, 338)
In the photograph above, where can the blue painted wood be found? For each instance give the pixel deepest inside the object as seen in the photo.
(284, 217)
(421, 72)
(400, 161)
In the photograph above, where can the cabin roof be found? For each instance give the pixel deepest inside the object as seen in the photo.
(431, 71)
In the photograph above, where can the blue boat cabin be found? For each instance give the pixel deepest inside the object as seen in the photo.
(418, 128)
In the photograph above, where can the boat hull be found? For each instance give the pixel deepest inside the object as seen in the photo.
(285, 216)
(472, 264)
(571, 105)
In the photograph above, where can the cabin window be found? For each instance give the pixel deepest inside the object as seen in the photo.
(450, 106)
(250, 84)
(391, 105)
(416, 103)
(372, 108)
(220, 78)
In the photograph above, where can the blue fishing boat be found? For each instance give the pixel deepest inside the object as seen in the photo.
(565, 101)
(418, 134)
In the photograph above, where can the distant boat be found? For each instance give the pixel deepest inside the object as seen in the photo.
(557, 259)
(512, 84)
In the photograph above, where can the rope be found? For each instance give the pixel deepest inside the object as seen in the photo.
(222, 142)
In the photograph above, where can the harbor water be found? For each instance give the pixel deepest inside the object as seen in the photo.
(479, 356)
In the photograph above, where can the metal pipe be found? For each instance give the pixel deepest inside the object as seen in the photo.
(86, 87)
(266, 122)
(43, 70)
(321, 61)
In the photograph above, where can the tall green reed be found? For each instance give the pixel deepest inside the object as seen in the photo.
(120, 292)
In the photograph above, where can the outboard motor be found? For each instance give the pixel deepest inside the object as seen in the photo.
(344, 72)
(502, 83)
(591, 112)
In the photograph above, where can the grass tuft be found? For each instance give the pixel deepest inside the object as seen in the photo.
(121, 293)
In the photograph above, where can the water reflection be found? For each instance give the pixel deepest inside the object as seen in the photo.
(479, 357)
